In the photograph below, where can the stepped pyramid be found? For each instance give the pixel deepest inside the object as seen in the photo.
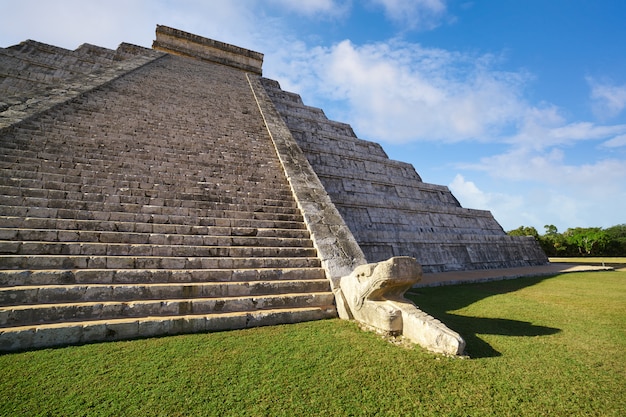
(153, 192)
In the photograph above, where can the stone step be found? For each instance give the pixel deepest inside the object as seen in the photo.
(139, 162)
(79, 230)
(385, 198)
(18, 66)
(226, 200)
(116, 203)
(30, 97)
(52, 235)
(194, 191)
(114, 150)
(91, 133)
(132, 168)
(88, 57)
(53, 294)
(312, 124)
(26, 206)
(238, 198)
(151, 262)
(43, 217)
(96, 53)
(59, 334)
(12, 278)
(25, 315)
(126, 249)
(197, 181)
(113, 147)
(213, 201)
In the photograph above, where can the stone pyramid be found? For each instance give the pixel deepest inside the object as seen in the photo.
(174, 190)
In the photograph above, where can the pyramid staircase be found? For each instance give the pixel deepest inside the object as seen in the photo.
(149, 202)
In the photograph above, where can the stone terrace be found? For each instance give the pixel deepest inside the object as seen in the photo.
(389, 209)
(150, 202)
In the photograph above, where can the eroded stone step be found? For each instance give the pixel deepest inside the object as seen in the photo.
(50, 313)
(52, 294)
(25, 67)
(132, 222)
(113, 179)
(93, 128)
(191, 217)
(93, 156)
(27, 262)
(69, 333)
(136, 168)
(29, 248)
(87, 57)
(75, 227)
(183, 208)
(45, 188)
(132, 204)
(12, 278)
(110, 147)
(246, 238)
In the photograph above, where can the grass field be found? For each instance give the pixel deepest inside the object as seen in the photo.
(616, 262)
(538, 347)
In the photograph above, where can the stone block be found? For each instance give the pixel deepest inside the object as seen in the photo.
(374, 294)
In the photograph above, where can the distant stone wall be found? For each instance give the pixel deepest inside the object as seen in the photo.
(35, 76)
(177, 42)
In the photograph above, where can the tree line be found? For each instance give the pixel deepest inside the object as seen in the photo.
(578, 241)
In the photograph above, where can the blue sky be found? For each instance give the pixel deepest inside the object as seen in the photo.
(519, 106)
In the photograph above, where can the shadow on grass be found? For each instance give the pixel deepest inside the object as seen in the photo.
(439, 301)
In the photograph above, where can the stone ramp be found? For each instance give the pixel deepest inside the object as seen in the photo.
(389, 209)
(150, 204)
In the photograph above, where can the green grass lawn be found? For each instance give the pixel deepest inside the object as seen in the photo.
(617, 262)
(538, 347)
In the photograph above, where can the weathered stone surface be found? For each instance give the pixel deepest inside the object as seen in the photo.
(151, 202)
(375, 296)
(336, 247)
(38, 76)
(186, 44)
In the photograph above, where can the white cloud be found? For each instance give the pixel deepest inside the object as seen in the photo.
(69, 23)
(608, 100)
(541, 128)
(536, 206)
(594, 179)
(510, 210)
(400, 92)
(616, 142)
(414, 14)
(468, 193)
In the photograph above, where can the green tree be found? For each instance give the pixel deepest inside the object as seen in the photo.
(577, 241)
(551, 230)
(524, 231)
(588, 241)
(616, 236)
(552, 242)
